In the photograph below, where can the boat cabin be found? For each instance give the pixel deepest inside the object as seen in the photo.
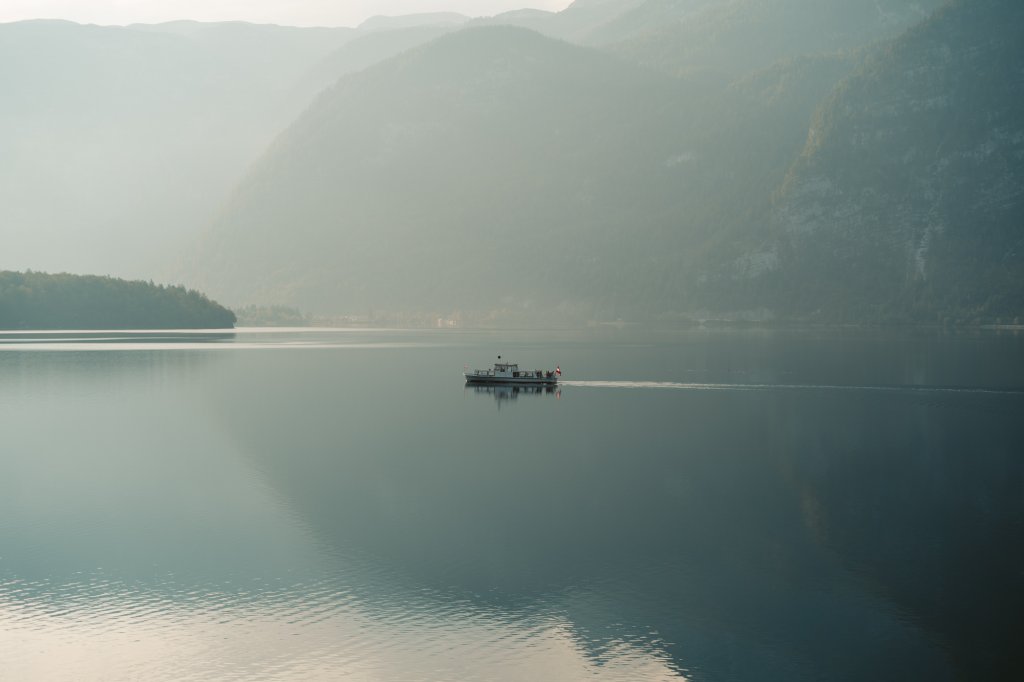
(506, 369)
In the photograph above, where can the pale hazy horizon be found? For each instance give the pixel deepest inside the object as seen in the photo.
(292, 13)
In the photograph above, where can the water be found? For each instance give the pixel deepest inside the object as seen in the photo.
(323, 504)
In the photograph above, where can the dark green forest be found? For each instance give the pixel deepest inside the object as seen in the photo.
(36, 300)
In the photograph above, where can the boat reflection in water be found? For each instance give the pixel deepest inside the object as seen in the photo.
(505, 392)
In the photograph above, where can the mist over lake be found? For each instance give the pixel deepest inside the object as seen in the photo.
(706, 505)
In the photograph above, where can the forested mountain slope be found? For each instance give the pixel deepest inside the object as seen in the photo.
(684, 158)
(907, 202)
(36, 300)
(496, 169)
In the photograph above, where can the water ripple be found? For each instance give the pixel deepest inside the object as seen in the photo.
(99, 628)
(689, 386)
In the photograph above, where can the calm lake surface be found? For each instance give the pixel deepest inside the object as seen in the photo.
(336, 504)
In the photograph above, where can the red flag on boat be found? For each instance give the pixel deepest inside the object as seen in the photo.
(558, 370)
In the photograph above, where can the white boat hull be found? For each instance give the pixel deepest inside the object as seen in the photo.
(525, 378)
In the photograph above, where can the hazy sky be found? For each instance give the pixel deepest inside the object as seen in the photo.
(290, 12)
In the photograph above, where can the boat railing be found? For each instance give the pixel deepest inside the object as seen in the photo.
(513, 374)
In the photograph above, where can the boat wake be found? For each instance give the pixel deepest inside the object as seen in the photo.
(687, 386)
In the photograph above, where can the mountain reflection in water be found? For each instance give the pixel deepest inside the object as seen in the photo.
(327, 512)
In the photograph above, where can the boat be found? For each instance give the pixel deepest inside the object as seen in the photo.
(509, 373)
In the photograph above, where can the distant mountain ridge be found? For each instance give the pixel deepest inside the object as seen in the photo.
(117, 143)
(433, 19)
(732, 38)
(369, 49)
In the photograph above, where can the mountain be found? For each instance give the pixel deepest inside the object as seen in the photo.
(737, 37)
(907, 202)
(491, 167)
(731, 38)
(573, 24)
(117, 143)
(432, 19)
(494, 169)
(366, 50)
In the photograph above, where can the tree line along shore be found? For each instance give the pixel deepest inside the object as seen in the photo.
(36, 300)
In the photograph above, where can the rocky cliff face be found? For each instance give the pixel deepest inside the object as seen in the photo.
(908, 199)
